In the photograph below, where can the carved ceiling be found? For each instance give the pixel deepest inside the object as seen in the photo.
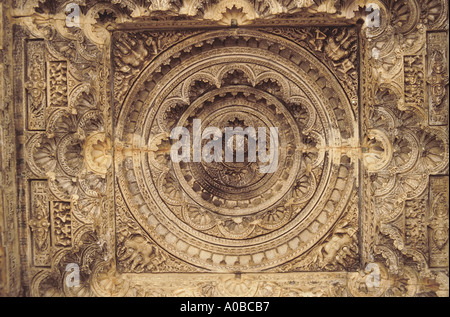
(91, 91)
(236, 78)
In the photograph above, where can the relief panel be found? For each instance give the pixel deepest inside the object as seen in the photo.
(35, 84)
(57, 80)
(39, 223)
(438, 221)
(437, 77)
(414, 80)
(62, 225)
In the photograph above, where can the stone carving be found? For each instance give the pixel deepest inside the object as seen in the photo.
(437, 78)
(130, 56)
(97, 153)
(438, 221)
(133, 51)
(36, 84)
(40, 223)
(214, 201)
(62, 223)
(414, 80)
(339, 250)
(403, 214)
(1, 21)
(416, 225)
(433, 13)
(57, 84)
(138, 253)
(2, 270)
(10, 269)
(86, 177)
(337, 47)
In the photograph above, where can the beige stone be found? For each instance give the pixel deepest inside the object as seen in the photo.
(358, 205)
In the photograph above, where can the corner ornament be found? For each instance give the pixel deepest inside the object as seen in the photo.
(97, 153)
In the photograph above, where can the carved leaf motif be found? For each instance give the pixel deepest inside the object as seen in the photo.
(62, 223)
(58, 84)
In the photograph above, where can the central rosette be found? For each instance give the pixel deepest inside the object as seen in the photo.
(237, 156)
(253, 169)
(235, 174)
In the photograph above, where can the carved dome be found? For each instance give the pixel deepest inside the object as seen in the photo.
(230, 216)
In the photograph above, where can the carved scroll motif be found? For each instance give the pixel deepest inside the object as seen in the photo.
(57, 84)
(62, 223)
(35, 84)
(39, 223)
(416, 230)
(414, 80)
(438, 221)
(437, 78)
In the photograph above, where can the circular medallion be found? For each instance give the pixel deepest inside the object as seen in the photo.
(261, 178)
